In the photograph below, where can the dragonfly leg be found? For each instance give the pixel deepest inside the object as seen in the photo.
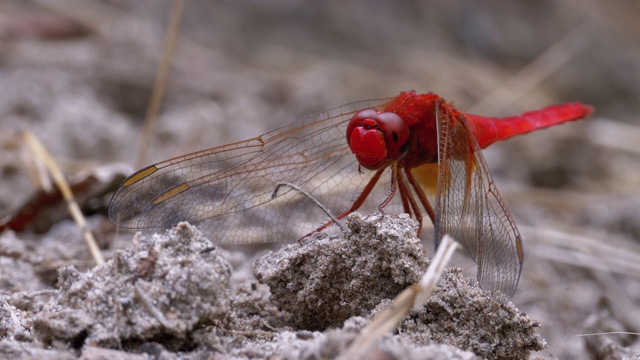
(406, 195)
(421, 195)
(394, 186)
(356, 204)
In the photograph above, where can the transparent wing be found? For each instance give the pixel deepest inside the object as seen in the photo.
(227, 190)
(470, 208)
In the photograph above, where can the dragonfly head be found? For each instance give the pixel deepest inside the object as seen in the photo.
(377, 138)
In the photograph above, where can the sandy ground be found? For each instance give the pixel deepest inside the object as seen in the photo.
(79, 74)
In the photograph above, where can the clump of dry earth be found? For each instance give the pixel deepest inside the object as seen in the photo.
(180, 295)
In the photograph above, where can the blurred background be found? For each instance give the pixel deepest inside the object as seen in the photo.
(79, 75)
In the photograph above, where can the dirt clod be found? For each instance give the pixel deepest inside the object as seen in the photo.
(327, 280)
(159, 288)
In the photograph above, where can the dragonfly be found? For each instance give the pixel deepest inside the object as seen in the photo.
(413, 153)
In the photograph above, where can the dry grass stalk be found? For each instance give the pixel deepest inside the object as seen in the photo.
(578, 250)
(159, 85)
(44, 157)
(552, 59)
(413, 297)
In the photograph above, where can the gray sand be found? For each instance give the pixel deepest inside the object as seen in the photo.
(174, 294)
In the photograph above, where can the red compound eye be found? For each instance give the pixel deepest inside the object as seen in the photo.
(377, 138)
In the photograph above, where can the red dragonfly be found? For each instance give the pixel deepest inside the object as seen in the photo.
(419, 146)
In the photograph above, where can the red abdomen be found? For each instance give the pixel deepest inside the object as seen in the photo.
(489, 130)
(419, 113)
